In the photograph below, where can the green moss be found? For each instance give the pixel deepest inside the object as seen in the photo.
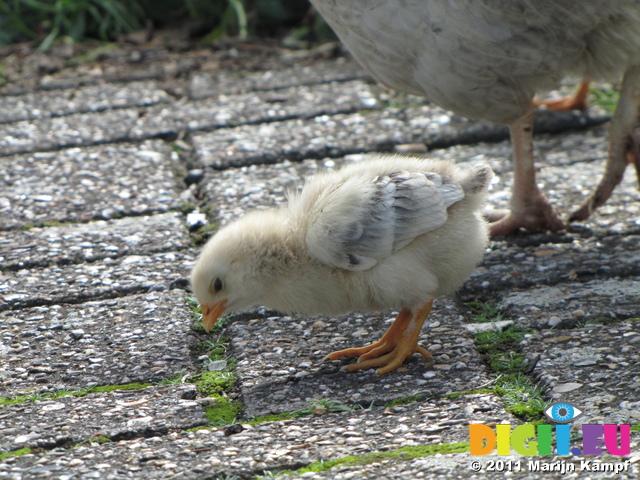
(15, 453)
(272, 418)
(635, 428)
(212, 383)
(112, 388)
(76, 393)
(479, 391)
(315, 406)
(402, 454)
(224, 412)
(405, 400)
(100, 439)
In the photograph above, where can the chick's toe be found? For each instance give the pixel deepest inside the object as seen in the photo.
(395, 346)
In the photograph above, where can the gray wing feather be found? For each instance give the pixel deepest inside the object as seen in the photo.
(396, 209)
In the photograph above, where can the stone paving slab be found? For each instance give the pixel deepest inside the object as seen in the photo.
(367, 131)
(458, 467)
(101, 279)
(209, 453)
(201, 85)
(94, 98)
(88, 242)
(129, 124)
(138, 338)
(280, 360)
(212, 82)
(120, 414)
(572, 304)
(594, 367)
(76, 185)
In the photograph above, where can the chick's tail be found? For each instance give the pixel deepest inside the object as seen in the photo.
(476, 179)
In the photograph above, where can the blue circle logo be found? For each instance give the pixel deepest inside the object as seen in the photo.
(562, 413)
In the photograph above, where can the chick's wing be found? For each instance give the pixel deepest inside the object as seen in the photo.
(360, 221)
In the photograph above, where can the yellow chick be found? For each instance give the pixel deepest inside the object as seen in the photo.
(386, 232)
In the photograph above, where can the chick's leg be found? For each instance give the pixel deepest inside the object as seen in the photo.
(624, 144)
(530, 209)
(395, 346)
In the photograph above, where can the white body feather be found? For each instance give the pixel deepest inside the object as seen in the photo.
(341, 245)
(487, 58)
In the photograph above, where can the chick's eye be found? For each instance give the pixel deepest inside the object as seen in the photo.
(217, 285)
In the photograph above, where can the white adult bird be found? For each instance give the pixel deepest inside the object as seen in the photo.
(387, 232)
(487, 59)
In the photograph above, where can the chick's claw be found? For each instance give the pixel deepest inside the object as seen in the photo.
(395, 346)
(390, 361)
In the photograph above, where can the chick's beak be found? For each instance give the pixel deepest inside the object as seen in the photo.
(211, 313)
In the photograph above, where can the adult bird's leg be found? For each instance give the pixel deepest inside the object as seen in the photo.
(624, 144)
(530, 209)
(578, 101)
(398, 343)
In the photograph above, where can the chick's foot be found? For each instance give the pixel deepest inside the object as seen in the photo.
(395, 346)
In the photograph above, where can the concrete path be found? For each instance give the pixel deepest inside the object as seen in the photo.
(111, 167)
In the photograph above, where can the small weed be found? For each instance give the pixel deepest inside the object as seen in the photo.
(484, 312)
(500, 340)
(501, 352)
(521, 396)
(175, 380)
(187, 207)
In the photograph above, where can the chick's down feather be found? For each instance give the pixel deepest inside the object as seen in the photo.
(386, 232)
